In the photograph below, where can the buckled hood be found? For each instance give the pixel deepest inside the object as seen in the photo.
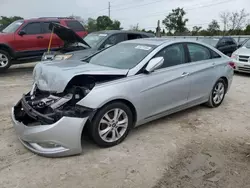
(66, 34)
(54, 76)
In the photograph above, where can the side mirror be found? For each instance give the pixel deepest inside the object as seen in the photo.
(154, 64)
(22, 32)
(239, 45)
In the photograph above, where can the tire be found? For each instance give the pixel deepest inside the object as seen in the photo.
(214, 102)
(5, 60)
(107, 131)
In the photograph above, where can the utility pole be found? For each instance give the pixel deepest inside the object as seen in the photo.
(109, 9)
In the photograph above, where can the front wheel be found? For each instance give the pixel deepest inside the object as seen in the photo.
(217, 94)
(5, 60)
(111, 124)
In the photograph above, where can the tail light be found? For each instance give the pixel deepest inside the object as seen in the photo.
(232, 64)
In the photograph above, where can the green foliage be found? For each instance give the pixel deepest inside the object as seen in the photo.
(5, 21)
(175, 21)
(102, 23)
(214, 28)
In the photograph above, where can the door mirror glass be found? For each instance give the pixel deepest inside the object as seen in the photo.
(154, 64)
(22, 32)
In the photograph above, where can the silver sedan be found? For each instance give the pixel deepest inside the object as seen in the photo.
(111, 92)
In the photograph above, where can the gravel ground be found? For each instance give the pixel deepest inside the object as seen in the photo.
(196, 148)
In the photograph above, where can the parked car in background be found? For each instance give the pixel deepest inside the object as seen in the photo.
(241, 57)
(90, 44)
(29, 39)
(111, 92)
(226, 45)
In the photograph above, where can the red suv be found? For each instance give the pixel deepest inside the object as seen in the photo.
(29, 39)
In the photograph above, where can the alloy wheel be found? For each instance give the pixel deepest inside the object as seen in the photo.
(218, 93)
(3, 60)
(113, 125)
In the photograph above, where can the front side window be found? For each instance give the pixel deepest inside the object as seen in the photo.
(198, 52)
(122, 56)
(33, 28)
(114, 39)
(173, 55)
(12, 27)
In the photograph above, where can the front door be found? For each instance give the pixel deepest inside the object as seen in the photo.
(31, 43)
(166, 88)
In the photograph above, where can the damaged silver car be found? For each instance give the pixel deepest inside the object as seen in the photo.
(115, 90)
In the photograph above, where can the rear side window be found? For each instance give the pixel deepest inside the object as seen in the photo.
(198, 52)
(46, 26)
(75, 25)
(33, 28)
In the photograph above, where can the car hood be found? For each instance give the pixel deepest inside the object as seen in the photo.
(66, 34)
(243, 51)
(54, 76)
(81, 54)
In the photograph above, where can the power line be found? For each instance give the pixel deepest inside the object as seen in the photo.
(162, 13)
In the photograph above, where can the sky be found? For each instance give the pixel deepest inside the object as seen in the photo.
(128, 12)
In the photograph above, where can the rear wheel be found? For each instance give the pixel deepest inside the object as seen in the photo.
(111, 124)
(5, 60)
(217, 94)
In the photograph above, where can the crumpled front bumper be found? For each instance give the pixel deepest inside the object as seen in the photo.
(242, 66)
(63, 138)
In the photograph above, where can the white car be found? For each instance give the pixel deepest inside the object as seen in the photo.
(241, 58)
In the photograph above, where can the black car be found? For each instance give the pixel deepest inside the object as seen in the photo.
(226, 45)
(78, 48)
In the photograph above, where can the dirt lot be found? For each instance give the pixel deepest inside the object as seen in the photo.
(197, 148)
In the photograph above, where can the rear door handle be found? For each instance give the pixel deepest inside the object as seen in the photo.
(39, 37)
(213, 64)
(185, 74)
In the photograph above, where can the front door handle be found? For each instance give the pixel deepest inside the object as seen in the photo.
(185, 74)
(39, 37)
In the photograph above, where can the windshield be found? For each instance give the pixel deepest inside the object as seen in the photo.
(247, 44)
(94, 39)
(211, 42)
(122, 56)
(12, 27)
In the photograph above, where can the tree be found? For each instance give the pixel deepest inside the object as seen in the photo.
(175, 21)
(5, 21)
(247, 30)
(134, 27)
(196, 30)
(224, 16)
(103, 23)
(237, 21)
(213, 28)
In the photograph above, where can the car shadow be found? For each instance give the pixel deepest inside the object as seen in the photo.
(242, 74)
(89, 146)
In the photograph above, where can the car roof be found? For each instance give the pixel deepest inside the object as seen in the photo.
(109, 32)
(48, 19)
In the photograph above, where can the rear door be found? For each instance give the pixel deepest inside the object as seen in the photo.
(77, 27)
(202, 71)
(31, 43)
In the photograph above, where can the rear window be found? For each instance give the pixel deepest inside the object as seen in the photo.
(75, 25)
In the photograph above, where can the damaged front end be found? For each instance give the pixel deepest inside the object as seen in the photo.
(44, 108)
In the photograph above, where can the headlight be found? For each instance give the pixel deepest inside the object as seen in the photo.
(234, 56)
(63, 57)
